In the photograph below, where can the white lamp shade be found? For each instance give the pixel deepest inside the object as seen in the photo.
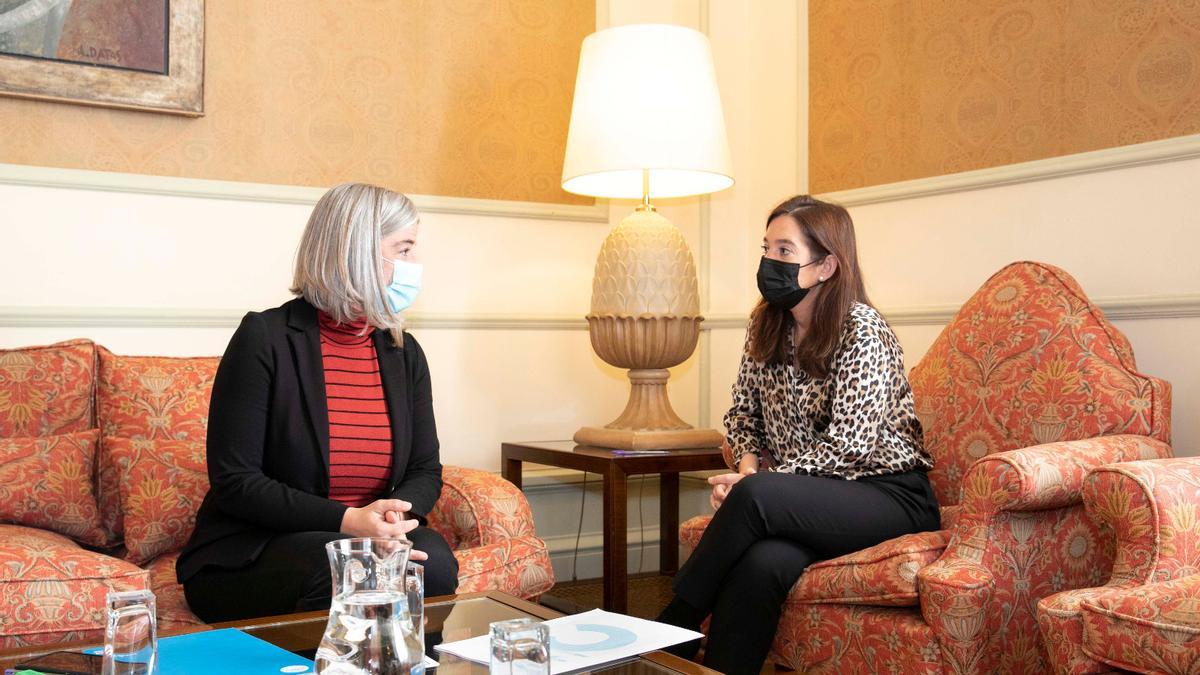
(646, 98)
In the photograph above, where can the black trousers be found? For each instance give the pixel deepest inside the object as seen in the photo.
(769, 529)
(292, 575)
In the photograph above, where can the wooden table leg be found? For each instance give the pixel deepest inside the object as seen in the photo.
(511, 470)
(616, 555)
(668, 523)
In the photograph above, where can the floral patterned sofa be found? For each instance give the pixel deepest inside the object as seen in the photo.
(1146, 619)
(1027, 389)
(102, 468)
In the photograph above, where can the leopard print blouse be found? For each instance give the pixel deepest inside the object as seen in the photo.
(858, 421)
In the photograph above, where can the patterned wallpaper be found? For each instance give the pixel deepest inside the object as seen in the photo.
(467, 98)
(903, 89)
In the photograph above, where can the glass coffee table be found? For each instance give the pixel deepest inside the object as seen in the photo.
(448, 619)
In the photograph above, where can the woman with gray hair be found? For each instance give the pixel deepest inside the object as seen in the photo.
(321, 422)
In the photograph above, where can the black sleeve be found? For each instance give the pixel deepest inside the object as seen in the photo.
(422, 482)
(237, 429)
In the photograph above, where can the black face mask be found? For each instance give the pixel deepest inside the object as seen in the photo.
(778, 284)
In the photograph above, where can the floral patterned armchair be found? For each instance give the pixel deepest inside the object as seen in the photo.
(1147, 617)
(1026, 390)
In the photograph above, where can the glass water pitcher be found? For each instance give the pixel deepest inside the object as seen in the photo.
(370, 629)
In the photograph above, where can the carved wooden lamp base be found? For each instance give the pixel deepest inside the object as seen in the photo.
(636, 439)
(649, 422)
(646, 317)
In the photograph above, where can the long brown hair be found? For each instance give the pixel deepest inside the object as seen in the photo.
(827, 230)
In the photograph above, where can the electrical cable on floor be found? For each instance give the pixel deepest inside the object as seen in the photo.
(641, 525)
(579, 530)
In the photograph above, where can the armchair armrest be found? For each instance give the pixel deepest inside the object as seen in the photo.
(1153, 507)
(955, 595)
(1050, 475)
(519, 566)
(478, 508)
(1020, 535)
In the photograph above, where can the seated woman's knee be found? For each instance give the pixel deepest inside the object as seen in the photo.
(441, 569)
(752, 488)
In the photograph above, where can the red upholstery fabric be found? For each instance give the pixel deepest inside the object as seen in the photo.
(488, 523)
(47, 483)
(143, 398)
(47, 391)
(162, 483)
(51, 589)
(173, 612)
(1153, 507)
(1148, 629)
(150, 479)
(1029, 360)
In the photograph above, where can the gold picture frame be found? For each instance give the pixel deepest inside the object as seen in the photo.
(179, 90)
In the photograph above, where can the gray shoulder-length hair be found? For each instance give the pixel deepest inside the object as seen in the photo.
(339, 265)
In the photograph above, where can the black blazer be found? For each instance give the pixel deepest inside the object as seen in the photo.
(268, 438)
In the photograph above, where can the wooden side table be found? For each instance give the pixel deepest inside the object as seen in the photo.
(615, 469)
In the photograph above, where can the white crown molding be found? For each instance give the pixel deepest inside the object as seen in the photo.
(1153, 152)
(173, 186)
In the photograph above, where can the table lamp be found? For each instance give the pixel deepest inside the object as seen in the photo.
(646, 122)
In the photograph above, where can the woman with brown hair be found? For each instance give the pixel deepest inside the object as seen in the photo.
(821, 404)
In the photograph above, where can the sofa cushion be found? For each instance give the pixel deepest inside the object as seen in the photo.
(154, 396)
(49, 586)
(47, 483)
(161, 484)
(47, 390)
(1152, 628)
(148, 397)
(882, 575)
(170, 603)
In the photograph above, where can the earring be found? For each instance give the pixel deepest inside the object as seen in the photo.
(820, 278)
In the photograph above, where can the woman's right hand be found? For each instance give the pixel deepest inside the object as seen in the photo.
(372, 520)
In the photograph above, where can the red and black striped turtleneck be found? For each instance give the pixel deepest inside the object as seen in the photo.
(360, 432)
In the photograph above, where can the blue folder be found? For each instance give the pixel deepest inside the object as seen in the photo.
(227, 651)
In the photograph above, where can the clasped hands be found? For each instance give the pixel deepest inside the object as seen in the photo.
(382, 518)
(723, 483)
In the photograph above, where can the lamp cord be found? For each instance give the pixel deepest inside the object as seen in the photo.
(641, 524)
(579, 530)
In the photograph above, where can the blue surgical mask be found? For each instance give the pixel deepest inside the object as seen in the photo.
(406, 284)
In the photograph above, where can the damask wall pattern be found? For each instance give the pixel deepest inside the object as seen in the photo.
(465, 98)
(904, 89)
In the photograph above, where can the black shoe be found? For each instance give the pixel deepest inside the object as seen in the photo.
(679, 613)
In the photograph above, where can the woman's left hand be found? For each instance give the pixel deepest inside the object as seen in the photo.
(395, 517)
(722, 484)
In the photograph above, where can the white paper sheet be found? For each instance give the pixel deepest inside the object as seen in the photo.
(586, 640)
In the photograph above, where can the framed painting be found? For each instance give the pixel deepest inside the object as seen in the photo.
(135, 54)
